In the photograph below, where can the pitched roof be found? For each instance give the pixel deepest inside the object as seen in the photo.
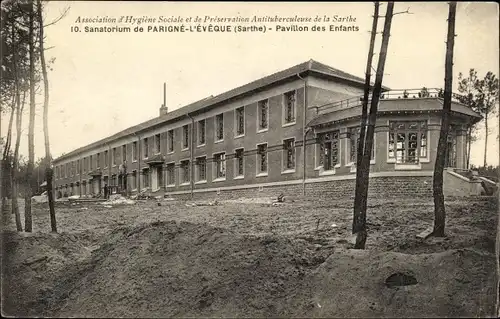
(394, 105)
(311, 66)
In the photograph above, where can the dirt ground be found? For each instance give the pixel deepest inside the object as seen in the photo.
(248, 258)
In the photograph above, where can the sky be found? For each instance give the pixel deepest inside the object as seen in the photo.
(102, 83)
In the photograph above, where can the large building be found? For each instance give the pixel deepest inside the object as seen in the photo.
(249, 141)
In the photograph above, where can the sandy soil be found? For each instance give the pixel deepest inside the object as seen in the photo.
(250, 259)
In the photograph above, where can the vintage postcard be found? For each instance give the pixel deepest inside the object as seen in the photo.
(249, 159)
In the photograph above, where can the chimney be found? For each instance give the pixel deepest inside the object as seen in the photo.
(164, 108)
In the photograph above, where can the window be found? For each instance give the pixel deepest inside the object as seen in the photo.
(145, 178)
(451, 155)
(329, 150)
(66, 171)
(353, 144)
(157, 143)
(220, 165)
(77, 167)
(145, 147)
(240, 121)
(85, 161)
(201, 132)
(134, 151)
(185, 178)
(114, 154)
(289, 154)
(185, 135)
(407, 141)
(201, 168)
(263, 114)
(289, 111)
(124, 153)
(106, 163)
(170, 141)
(239, 164)
(171, 174)
(262, 158)
(90, 163)
(134, 180)
(98, 159)
(219, 127)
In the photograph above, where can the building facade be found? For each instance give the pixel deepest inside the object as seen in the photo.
(294, 131)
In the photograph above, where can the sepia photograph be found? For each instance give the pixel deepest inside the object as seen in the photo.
(209, 159)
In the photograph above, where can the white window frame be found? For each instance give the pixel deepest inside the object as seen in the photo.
(236, 135)
(197, 171)
(145, 147)
(170, 143)
(168, 174)
(260, 130)
(348, 162)
(216, 139)
(134, 152)
(236, 175)
(258, 172)
(157, 140)
(284, 105)
(215, 172)
(185, 129)
(284, 169)
(204, 132)
(407, 166)
(181, 172)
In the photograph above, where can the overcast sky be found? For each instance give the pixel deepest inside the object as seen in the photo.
(102, 83)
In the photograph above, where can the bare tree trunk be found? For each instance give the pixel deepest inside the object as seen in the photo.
(437, 185)
(485, 138)
(357, 217)
(48, 171)
(8, 139)
(372, 117)
(6, 165)
(469, 146)
(15, 164)
(28, 224)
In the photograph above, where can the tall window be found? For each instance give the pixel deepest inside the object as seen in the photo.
(134, 151)
(145, 147)
(185, 176)
(145, 178)
(289, 107)
(262, 158)
(289, 153)
(240, 121)
(263, 112)
(407, 141)
(98, 160)
(219, 127)
(90, 163)
(451, 155)
(220, 165)
(78, 167)
(106, 159)
(329, 150)
(201, 132)
(239, 164)
(170, 141)
(134, 180)
(114, 154)
(124, 153)
(353, 145)
(201, 168)
(171, 174)
(66, 171)
(157, 143)
(185, 137)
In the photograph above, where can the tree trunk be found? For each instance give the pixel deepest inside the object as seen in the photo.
(6, 165)
(357, 216)
(31, 134)
(485, 138)
(437, 185)
(469, 146)
(372, 117)
(15, 164)
(48, 157)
